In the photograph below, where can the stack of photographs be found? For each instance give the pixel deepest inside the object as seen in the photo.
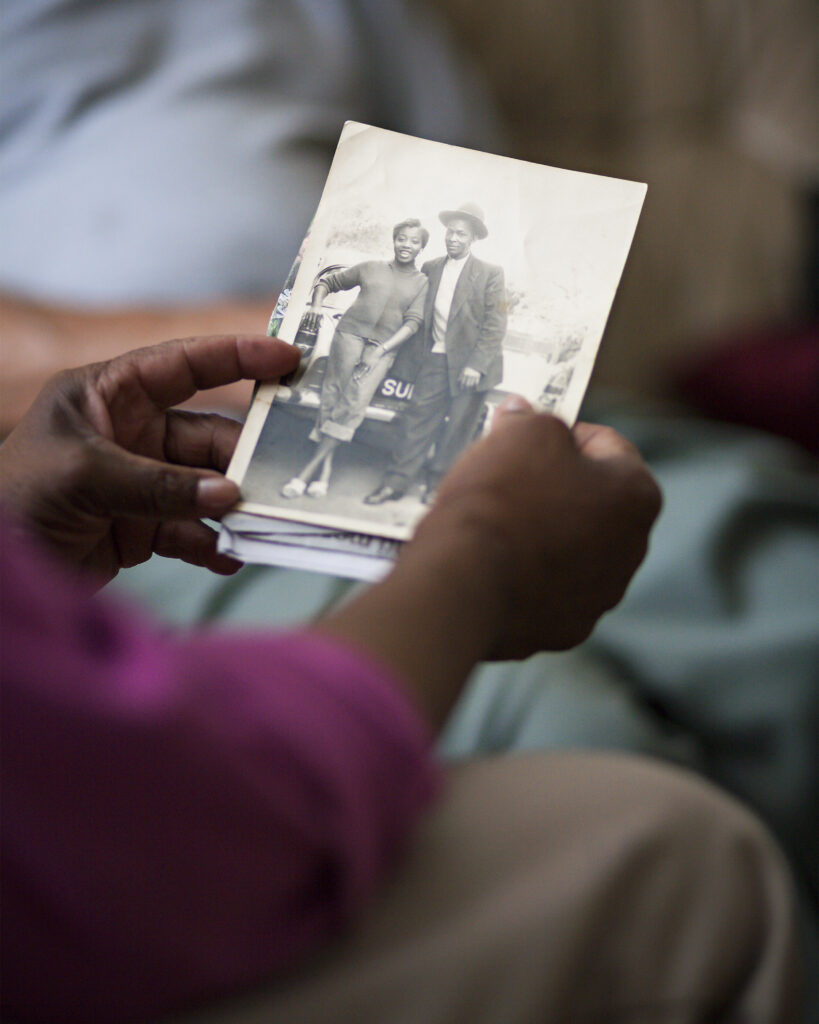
(433, 283)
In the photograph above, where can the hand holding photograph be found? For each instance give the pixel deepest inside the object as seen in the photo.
(434, 282)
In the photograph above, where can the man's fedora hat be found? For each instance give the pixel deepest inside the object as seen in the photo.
(468, 211)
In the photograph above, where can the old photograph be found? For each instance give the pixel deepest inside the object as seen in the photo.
(434, 282)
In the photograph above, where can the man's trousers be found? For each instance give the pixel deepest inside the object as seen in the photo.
(423, 424)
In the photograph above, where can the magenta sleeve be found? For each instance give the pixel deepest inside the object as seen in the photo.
(183, 815)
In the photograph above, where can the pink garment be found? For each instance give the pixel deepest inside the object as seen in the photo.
(768, 380)
(183, 815)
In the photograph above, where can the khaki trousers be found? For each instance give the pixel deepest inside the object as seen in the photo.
(561, 889)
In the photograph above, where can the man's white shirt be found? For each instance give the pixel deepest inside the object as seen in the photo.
(450, 276)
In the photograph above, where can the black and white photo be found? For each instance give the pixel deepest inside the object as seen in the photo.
(434, 282)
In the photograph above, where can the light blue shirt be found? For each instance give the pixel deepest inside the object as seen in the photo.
(174, 150)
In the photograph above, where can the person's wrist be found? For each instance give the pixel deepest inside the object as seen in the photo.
(438, 614)
(458, 550)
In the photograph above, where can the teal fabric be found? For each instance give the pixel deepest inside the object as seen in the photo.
(258, 595)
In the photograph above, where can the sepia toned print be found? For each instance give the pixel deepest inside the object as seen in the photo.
(434, 282)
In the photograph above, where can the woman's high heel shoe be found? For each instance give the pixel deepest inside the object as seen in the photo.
(294, 488)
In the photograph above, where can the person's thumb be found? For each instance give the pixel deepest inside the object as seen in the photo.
(508, 407)
(124, 484)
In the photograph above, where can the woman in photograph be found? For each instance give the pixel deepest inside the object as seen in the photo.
(388, 310)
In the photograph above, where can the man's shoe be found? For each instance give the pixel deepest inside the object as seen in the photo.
(382, 494)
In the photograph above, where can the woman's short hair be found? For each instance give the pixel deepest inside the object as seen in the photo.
(412, 222)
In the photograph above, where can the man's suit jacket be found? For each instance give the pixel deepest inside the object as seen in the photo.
(475, 328)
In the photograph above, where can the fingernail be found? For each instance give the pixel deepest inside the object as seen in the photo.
(514, 403)
(216, 493)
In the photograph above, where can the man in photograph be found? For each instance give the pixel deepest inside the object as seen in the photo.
(454, 360)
